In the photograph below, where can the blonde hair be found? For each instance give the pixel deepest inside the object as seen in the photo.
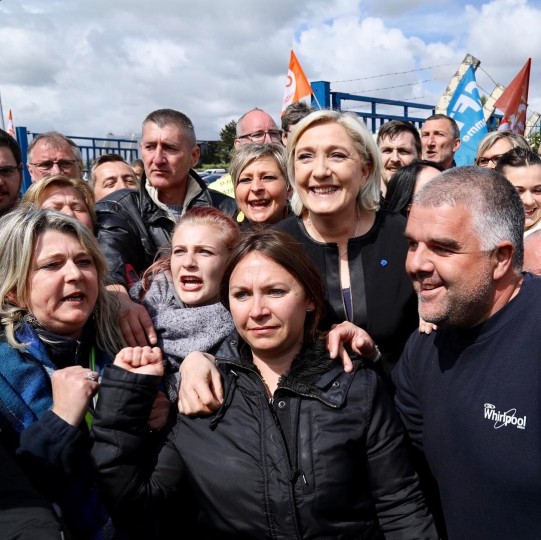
(35, 194)
(246, 154)
(19, 233)
(515, 140)
(363, 142)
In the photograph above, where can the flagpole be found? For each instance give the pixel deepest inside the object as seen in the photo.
(2, 113)
(318, 104)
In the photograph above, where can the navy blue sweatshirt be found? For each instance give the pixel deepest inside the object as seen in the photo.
(471, 400)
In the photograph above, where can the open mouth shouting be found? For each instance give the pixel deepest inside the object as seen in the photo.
(190, 283)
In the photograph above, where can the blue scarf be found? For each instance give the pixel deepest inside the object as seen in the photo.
(25, 395)
(25, 379)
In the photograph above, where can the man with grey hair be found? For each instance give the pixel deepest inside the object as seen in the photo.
(134, 225)
(440, 139)
(532, 253)
(256, 126)
(469, 393)
(53, 153)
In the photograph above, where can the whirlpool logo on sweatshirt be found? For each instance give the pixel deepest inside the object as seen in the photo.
(504, 419)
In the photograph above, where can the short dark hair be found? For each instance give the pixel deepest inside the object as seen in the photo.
(284, 250)
(294, 113)
(7, 141)
(452, 121)
(402, 185)
(165, 117)
(137, 163)
(518, 157)
(105, 158)
(393, 128)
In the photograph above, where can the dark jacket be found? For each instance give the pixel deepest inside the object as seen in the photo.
(325, 458)
(383, 299)
(24, 513)
(52, 453)
(132, 227)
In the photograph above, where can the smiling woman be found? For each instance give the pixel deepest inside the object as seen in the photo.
(335, 170)
(522, 167)
(59, 329)
(259, 174)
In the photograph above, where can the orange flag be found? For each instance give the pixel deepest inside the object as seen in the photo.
(297, 85)
(514, 102)
(11, 128)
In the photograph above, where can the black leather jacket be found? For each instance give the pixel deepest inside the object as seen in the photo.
(325, 458)
(132, 227)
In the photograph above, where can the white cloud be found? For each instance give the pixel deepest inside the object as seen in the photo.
(89, 68)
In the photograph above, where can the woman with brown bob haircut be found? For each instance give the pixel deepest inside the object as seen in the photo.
(299, 448)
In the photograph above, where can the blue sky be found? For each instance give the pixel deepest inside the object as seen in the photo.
(90, 68)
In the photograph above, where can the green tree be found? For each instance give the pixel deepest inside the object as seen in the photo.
(227, 140)
(534, 139)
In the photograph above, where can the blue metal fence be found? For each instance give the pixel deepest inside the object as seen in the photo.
(381, 110)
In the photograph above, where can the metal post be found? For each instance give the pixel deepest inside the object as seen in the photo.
(322, 95)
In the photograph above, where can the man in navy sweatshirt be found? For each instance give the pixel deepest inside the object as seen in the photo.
(470, 393)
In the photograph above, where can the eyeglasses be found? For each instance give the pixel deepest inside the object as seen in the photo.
(6, 172)
(63, 164)
(259, 136)
(484, 161)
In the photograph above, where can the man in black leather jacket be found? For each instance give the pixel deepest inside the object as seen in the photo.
(133, 225)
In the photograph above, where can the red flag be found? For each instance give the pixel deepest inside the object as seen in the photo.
(514, 102)
(11, 128)
(297, 85)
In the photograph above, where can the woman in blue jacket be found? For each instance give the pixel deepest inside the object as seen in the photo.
(58, 330)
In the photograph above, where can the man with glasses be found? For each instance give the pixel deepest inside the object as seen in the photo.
(53, 153)
(255, 126)
(10, 172)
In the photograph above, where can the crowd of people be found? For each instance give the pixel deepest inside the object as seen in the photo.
(329, 341)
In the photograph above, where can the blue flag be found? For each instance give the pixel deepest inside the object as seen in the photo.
(465, 107)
